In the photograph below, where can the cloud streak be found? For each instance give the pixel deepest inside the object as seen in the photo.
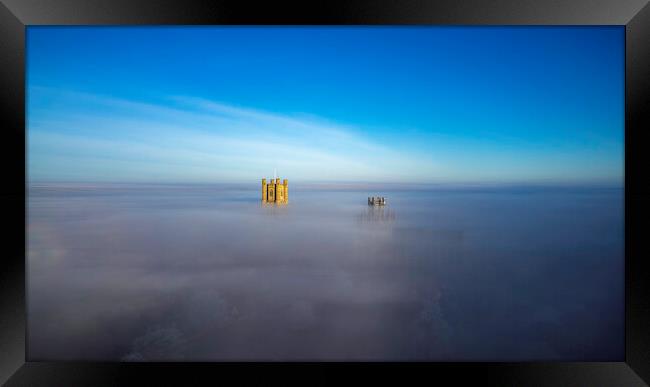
(86, 136)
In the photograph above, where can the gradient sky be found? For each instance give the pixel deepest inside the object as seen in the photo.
(363, 104)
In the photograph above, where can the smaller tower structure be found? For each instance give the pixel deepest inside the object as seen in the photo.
(376, 201)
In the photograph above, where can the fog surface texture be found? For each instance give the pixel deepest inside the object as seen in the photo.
(206, 273)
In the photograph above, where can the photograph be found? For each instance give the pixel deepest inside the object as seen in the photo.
(214, 193)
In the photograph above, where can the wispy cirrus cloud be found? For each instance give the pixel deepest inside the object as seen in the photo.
(82, 136)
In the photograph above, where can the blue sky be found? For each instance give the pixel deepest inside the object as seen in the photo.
(349, 104)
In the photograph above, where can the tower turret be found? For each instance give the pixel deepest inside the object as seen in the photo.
(286, 189)
(264, 190)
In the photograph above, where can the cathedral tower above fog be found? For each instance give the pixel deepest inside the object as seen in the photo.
(275, 192)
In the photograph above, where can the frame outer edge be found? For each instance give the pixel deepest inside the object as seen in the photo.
(446, 12)
(12, 194)
(12, 108)
(637, 188)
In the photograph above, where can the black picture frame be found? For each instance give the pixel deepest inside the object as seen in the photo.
(15, 15)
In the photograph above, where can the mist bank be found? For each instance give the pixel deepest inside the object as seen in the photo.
(302, 185)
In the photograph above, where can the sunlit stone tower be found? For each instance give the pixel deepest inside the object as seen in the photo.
(274, 191)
